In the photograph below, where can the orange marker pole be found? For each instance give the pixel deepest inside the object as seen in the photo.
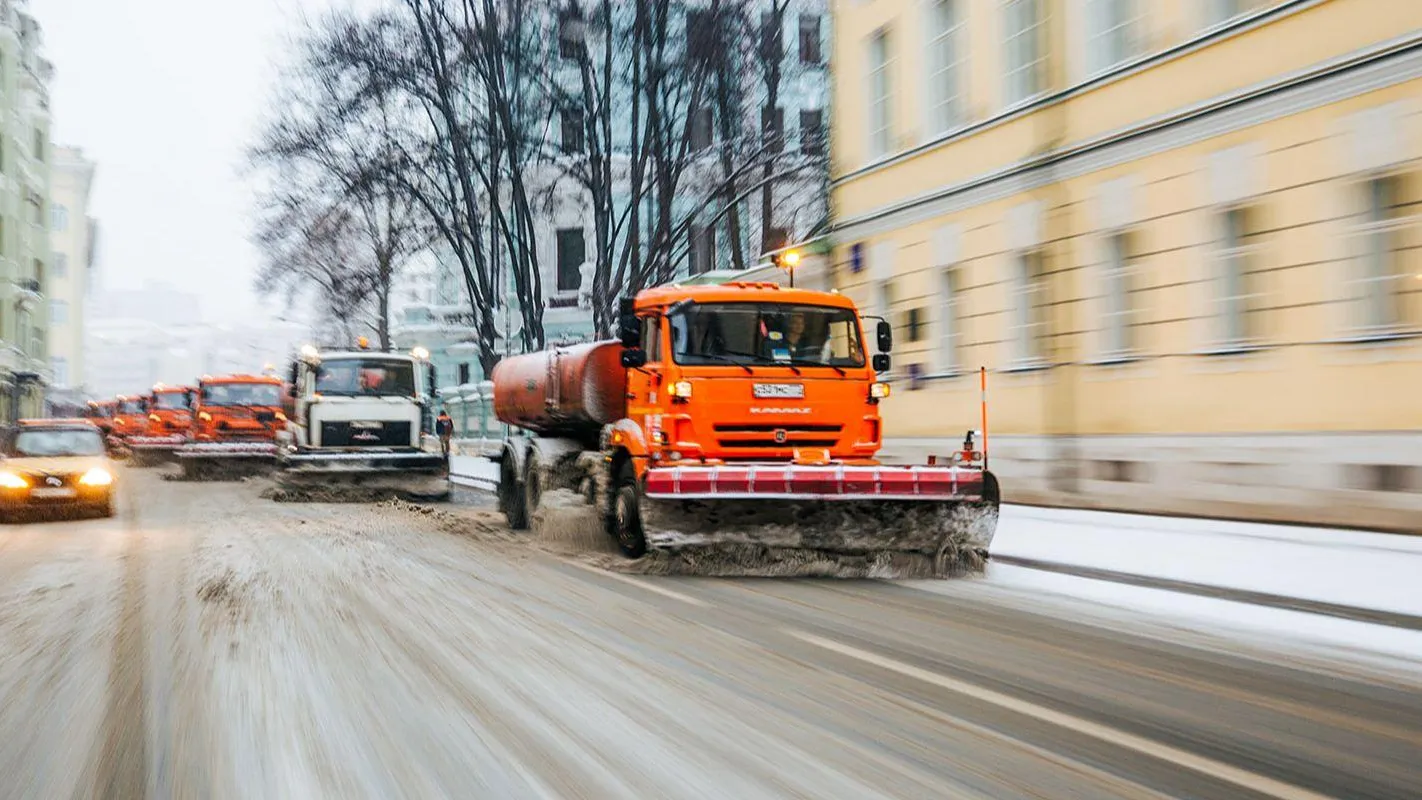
(982, 379)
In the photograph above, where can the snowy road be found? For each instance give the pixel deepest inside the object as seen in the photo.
(208, 643)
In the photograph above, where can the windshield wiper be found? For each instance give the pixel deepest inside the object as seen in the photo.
(743, 365)
(805, 362)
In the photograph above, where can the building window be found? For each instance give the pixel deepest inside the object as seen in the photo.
(702, 130)
(772, 125)
(1117, 290)
(945, 45)
(948, 322)
(1026, 323)
(880, 132)
(570, 258)
(571, 123)
(570, 35)
(58, 312)
(1234, 296)
(776, 238)
(812, 132)
(701, 35)
(1023, 49)
(703, 249)
(58, 218)
(39, 144)
(39, 274)
(1377, 270)
(463, 373)
(61, 265)
(1221, 11)
(771, 35)
(810, 39)
(59, 370)
(1111, 25)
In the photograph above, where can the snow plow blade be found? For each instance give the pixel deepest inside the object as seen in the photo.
(849, 521)
(362, 477)
(222, 461)
(148, 451)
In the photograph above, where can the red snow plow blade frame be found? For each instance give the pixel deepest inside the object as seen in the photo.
(797, 482)
(916, 521)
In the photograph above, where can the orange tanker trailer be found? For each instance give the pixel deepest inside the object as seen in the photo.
(741, 418)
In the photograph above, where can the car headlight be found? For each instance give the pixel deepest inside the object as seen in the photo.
(9, 480)
(98, 476)
(879, 390)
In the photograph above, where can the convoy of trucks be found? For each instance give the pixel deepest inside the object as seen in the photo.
(739, 418)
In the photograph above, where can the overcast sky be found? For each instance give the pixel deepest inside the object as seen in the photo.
(165, 96)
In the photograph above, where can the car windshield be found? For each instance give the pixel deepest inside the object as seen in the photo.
(130, 407)
(241, 394)
(767, 333)
(56, 442)
(170, 401)
(366, 376)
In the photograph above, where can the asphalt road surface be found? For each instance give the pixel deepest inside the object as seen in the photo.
(210, 643)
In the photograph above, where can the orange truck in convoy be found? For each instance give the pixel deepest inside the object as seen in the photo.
(741, 417)
(130, 417)
(169, 420)
(235, 419)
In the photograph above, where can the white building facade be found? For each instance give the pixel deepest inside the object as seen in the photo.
(73, 236)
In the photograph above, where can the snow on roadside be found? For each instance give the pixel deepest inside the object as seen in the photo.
(1272, 630)
(1352, 568)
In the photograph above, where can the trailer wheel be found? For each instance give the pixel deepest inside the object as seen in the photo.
(511, 494)
(627, 514)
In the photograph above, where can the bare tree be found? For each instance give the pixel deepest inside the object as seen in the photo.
(333, 184)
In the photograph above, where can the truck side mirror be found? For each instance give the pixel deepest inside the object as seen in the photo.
(634, 358)
(882, 362)
(886, 336)
(629, 330)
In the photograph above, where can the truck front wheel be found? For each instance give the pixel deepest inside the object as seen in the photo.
(627, 515)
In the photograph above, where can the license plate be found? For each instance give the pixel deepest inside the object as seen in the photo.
(48, 492)
(773, 391)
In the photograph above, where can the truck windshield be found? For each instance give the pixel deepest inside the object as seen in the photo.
(171, 401)
(241, 394)
(130, 407)
(56, 442)
(767, 333)
(366, 376)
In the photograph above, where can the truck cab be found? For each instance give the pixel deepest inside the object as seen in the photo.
(360, 398)
(130, 416)
(751, 372)
(170, 410)
(237, 408)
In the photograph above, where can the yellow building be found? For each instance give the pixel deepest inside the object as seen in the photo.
(1182, 235)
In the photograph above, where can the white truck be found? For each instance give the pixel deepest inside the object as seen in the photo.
(362, 421)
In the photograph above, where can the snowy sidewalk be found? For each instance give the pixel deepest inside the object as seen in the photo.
(1375, 571)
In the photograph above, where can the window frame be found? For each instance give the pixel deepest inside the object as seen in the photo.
(1022, 50)
(1234, 306)
(948, 321)
(1026, 317)
(811, 34)
(1119, 32)
(945, 46)
(880, 78)
(1376, 274)
(560, 236)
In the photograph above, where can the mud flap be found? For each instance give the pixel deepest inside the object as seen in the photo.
(878, 538)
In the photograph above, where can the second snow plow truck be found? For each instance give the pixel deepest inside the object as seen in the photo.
(362, 427)
(738, 426)
(233, 433)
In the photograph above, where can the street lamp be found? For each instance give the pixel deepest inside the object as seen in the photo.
(787, 260)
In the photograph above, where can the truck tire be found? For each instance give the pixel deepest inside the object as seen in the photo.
(511, 494)
(532, 485)
(626, 515)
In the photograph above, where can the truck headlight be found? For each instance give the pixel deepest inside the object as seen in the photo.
(878, 391)
(681, 389)
(204, 416)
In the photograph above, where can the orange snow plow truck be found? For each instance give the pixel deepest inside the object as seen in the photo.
(169, 420)
(734, 429)
(235, 422)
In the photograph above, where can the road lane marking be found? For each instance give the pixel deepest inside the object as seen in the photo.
(1163, 752)
(651, 587)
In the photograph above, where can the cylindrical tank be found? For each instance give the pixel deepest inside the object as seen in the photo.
(565, 390)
